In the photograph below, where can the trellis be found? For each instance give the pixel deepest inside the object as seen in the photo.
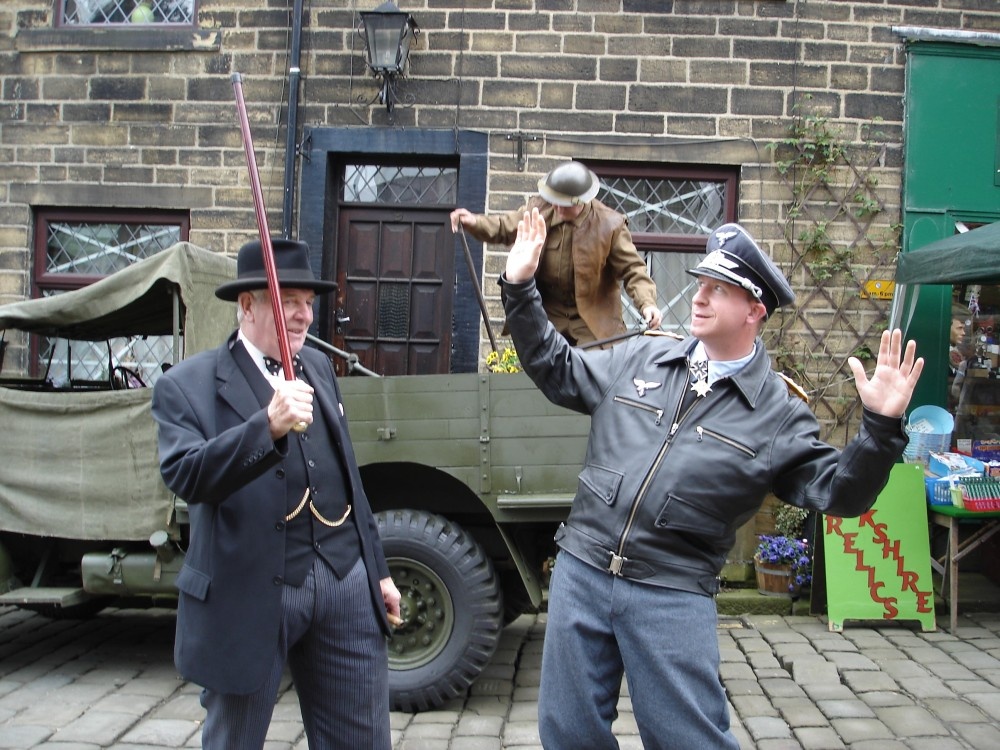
(837, 246)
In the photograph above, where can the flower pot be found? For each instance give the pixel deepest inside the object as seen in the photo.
(773, 579)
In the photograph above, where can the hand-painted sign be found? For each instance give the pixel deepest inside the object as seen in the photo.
(878, 565)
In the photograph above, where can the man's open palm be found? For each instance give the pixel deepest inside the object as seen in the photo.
(890, 387)
(522, 261)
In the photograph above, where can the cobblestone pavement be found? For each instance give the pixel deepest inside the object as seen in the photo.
(109, 682)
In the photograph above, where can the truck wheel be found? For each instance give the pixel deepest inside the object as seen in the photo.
(451, 608)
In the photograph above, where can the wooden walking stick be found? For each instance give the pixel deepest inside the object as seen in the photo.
(477, 285)
(266, 249)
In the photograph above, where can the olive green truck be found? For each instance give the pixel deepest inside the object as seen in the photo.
(469, 474)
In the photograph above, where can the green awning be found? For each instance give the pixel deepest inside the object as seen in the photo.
(971, 257)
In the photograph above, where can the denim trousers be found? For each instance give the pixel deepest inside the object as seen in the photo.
(663, 640)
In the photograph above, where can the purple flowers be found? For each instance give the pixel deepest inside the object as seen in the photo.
(783, 550)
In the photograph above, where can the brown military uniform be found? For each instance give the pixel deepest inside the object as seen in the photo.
(581, 265)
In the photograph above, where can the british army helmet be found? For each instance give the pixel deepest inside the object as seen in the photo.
(569, 184)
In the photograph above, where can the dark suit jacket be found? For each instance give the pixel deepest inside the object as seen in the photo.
(217, 454)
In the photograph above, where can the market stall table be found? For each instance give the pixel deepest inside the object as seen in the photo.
(953, 518)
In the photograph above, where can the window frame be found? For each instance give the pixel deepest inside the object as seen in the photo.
(682, 243)
(42, 279)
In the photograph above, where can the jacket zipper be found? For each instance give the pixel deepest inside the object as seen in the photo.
(617, 559)
(702, 431)
(640, 405)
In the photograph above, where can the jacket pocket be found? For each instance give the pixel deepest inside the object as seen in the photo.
(193, 582)
(679, 514)
(601, 482)
(653, 410)
(704, 432)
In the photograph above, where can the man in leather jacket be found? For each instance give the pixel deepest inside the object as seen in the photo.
(687, 439)
(588, 253)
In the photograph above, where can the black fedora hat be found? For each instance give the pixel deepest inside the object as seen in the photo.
(291, 261)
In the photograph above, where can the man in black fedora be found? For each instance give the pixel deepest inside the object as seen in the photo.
(687, 438)
(284, 564)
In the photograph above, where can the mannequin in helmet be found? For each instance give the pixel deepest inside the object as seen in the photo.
(588, 251)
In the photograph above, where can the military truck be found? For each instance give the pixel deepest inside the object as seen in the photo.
(469, 474)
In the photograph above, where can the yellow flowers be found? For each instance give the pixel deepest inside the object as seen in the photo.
(505, 361)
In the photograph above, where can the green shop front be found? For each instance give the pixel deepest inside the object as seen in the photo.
(947, 298)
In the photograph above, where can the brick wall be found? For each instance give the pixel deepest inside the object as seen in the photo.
(147, 118)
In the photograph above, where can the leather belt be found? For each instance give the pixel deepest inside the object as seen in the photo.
(638, 570)
(655, 573)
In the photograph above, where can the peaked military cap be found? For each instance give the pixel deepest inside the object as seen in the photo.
(733, 256)
(291, 261)
(569, 184)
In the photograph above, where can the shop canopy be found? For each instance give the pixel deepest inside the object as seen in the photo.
(969, 258)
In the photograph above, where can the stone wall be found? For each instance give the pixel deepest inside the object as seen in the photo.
(146, 117)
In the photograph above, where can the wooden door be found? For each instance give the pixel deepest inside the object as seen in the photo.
(395, 275)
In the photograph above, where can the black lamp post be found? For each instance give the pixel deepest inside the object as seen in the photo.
(388, 33)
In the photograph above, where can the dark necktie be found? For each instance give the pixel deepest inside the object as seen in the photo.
(274, 366)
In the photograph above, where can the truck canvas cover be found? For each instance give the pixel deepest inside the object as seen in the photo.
(83, 464)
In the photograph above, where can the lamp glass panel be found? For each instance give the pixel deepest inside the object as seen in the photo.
(384, 31)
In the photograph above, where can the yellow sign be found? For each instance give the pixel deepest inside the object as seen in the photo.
(879, 289)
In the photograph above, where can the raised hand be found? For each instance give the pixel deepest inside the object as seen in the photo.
(522, 260)
(890, 387)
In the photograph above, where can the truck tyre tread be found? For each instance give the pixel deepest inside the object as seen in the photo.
(438, 558)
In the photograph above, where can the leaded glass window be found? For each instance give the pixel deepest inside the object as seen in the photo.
(126, 12)
(671, 211)
(400, 185)
(664, 206)
(100, 248)
(79, 248)
(133, 362)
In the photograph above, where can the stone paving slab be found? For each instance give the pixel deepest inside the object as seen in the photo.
(792, 684)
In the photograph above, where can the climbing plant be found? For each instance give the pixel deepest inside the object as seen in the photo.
(840, 237)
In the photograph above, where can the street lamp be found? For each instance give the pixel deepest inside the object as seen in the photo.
(388, 33)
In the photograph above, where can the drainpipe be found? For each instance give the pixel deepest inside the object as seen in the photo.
(291, 148)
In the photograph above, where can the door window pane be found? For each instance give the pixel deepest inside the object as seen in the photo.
(398, 185)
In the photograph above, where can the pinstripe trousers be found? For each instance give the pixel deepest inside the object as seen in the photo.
(338, 658)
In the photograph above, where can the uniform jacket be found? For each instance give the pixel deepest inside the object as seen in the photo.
(603, 256)
(662, 494)
(216, 453)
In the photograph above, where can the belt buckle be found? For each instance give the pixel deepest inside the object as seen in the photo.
(615, 566)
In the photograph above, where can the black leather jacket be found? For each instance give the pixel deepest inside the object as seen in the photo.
(664, 490)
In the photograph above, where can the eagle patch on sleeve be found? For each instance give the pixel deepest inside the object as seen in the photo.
(794, 388)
